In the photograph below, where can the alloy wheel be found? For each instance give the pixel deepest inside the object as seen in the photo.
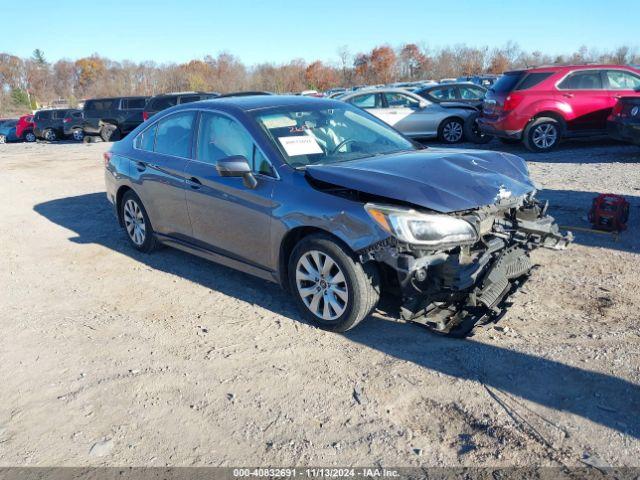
(322, 285)
(134, 222)
(452, 132)
(50, 136)
(78, 135)
(30, 137)
(545, 136)
(3, 139)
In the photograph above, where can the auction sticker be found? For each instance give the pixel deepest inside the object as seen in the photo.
(302, 145)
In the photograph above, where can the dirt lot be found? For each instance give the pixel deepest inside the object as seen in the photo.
(111, 357)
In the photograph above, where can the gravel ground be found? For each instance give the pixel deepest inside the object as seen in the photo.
(112, 357)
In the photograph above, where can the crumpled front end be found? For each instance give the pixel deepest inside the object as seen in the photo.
(452, 289)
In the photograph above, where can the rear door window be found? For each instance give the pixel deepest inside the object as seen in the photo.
(398, 100)
(174, 135)
(471, 93)
(161, 103)
(133, 103)
(100, 105)
(621, 80)
(60, 114)
(444, 93)
(46, 115)
(584, 80)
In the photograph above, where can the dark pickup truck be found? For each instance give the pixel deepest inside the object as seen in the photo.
(112, 118)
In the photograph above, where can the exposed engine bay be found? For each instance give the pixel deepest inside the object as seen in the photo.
(452, 289)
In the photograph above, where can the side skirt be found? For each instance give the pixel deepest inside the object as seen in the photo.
(218, 258)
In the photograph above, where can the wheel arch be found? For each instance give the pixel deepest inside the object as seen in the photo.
(551, 114)
(295, 236)
(119, 195)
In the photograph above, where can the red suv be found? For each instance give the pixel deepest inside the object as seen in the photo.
(24, 128)
(542, 105)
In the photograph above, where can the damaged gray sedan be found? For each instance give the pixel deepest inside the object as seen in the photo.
(334, 205)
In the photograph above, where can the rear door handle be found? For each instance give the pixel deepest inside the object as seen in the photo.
(194, 183)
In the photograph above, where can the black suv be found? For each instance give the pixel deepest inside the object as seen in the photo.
(112, 118)
(49, 124)
(166, 100)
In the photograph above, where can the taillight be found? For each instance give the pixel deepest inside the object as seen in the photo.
(145, 116)
(66, 120)
(106, 156)
(512, 101)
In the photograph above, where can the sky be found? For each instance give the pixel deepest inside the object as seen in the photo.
(278, 31)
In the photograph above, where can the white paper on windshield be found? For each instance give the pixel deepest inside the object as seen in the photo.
(302, 145)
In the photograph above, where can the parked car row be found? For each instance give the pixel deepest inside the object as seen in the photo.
(538, 107)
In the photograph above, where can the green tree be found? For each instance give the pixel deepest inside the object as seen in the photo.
(38, 57)
(20, 97)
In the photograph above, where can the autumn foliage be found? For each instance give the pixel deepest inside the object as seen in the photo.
(29, 82)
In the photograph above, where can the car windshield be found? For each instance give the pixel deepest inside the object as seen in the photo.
(314, 136)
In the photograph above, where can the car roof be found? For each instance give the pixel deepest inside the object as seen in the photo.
(258, 102)
(117, 98)
(566, 68)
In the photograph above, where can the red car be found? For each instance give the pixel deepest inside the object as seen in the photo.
(542, 105)
(24, 128)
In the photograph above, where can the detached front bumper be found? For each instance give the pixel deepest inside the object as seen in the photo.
(451, 291)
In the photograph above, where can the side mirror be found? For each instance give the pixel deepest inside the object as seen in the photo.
(424, 104)
(237, 166)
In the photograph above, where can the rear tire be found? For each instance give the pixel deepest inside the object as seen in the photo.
(451, 131)
(472, 132)
(136, 223)
(332, 289)
(110, 133)
(542, 134)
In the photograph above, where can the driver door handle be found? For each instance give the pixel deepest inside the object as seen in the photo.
(194, 183)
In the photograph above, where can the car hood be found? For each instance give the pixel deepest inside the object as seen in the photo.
(442, 180)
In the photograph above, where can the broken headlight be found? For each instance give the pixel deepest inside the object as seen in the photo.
(419, 228)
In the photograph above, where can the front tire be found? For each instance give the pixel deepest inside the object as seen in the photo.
(136, 223)
(50, 135)
(3, 139)
(451, 131)
(30, 137)
(77, 135)
(542, 135)
(332, 289)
